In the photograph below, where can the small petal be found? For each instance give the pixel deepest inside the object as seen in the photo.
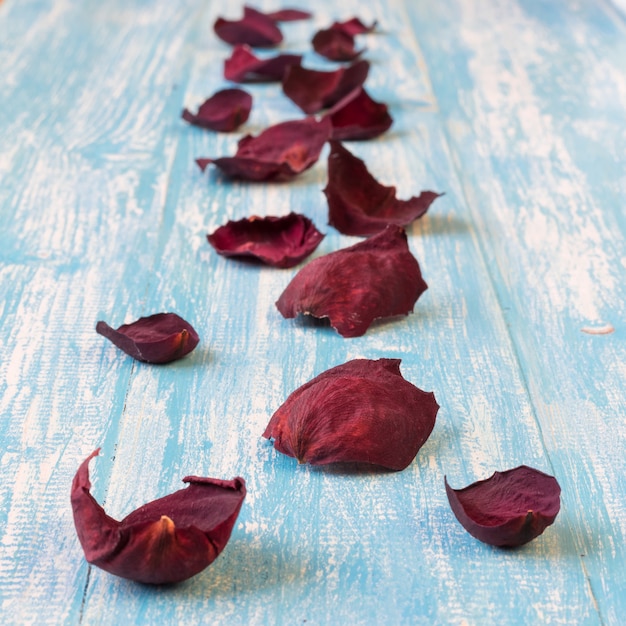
(352, 287)
(244, 66)
(279, 153)
(277, 241)
(362, 411)
(354, 26)
(159, 338)
(254, 29)
(358, 117)
(224, 111)
(289, 15)
(358, 204)
(335, 45)
(313, 90)
(165, 541)
(508, 509)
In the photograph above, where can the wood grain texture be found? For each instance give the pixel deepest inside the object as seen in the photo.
(103, 215)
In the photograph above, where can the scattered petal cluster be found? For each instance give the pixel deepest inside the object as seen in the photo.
(362, 411)
(165, 541)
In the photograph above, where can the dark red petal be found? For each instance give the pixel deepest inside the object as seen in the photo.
(354, 26)
(159, 338)
(313, 90)
(255, 29)
(243, 66)
(508, 509)
(277, 241)
(335, 45)
(358, 117)
(165, 541)
(358, 204)
(289, 15)
(362, 411)
(224, 111)
(280, 152)
(352, 287)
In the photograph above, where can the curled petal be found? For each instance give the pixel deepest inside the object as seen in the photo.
(289, 15)
(254, 29)
(276, 241)
(508, 509)
(358, 117)
(335, 45)
(354, 26)
(313, 90)
(165, 541)
(280, 152)
(358, 204)
(159, 338)
(244, 66)
(224, 111)
(362, 411)
(376, 278)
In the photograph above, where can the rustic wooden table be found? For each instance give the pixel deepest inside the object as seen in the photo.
(517, 110)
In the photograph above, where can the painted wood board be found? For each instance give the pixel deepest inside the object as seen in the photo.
(325, 546)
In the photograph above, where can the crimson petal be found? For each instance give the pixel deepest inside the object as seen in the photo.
(376, 278)
(279, 153)
(277, 241)
(159, 338)
(244, 66)
(314, 90)
(358, 204)
(289, 15)
(335, 45)
(254, 29)
(362, 411)
(224, 111)
(165, 541)
(358, 117)
(354, 26)
(508, 509)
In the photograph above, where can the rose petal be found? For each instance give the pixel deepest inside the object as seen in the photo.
(254, 29)
(313, 90)
(277, 241)
(243, 66)
(165, 541)
(376, 278)
(224, 111)
(335, 45)
(280, 152)
(358, 204)
(508, 509)
(159, 338)
(289, 15)
(354, 26)
(362, 411)
(358, 117)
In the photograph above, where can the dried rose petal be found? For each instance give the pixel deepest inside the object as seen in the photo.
(159, 338)
(313, 90)
(224, 111)
(244, 66)
(280, 152)
(335, 44)
(289, 15)
(277, 241)
(508, 509)
(378, 277)
(165, 541)
(362, 411)
(358, 204)
(358, 117)
(354, 26)
(255, 29)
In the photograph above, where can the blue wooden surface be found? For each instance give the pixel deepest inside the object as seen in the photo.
(516, 109)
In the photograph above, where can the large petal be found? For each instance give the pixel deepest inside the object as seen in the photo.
(254, 29)
(335, 45)
(358, 117)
